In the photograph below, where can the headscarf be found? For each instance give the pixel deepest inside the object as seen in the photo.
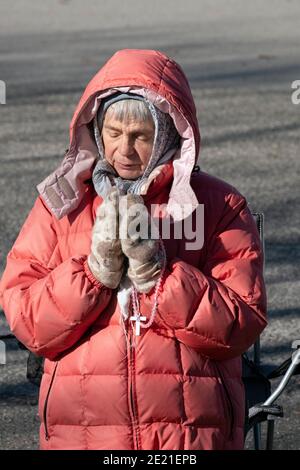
(166, 141)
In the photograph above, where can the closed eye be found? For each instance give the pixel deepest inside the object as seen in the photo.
(114, 134)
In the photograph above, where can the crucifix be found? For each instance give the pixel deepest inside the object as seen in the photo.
(138, 319)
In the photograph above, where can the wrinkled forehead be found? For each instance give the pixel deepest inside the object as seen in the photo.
(129, 123)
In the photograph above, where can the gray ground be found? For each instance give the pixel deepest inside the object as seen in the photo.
(240, 57)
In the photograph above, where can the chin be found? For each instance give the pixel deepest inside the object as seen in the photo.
(129, 175)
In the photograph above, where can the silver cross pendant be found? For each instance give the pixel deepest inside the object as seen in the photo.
(138, 319)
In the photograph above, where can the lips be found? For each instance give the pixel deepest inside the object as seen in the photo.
(127, 166)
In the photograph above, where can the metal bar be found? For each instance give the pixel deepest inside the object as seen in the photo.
(257, 436)
(270, 434)
(286, 378)
(260, 227)
(256, 352)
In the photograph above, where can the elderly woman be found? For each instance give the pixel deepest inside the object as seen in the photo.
(142, 335)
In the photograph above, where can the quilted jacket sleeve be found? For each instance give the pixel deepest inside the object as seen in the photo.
(220, 310)
(48, 307)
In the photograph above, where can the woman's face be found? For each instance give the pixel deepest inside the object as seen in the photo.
(127, 145)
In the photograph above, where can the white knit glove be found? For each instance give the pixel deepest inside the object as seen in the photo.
(144, 256)
(106, 259)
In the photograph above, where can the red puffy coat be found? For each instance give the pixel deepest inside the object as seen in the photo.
(180, 386)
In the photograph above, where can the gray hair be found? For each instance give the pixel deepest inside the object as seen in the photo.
(127, 110)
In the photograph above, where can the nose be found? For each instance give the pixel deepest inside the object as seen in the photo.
(126, 147)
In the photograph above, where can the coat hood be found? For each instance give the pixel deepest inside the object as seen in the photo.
(161, 80)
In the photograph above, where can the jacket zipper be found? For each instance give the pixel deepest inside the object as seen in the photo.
(133, 412)
(229, 401)
(47, 437)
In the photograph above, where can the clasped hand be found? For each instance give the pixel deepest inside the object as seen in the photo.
(121, 239)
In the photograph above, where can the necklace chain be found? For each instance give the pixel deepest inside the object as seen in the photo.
(135, 294)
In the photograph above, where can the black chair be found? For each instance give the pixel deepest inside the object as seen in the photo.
(260, 400)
